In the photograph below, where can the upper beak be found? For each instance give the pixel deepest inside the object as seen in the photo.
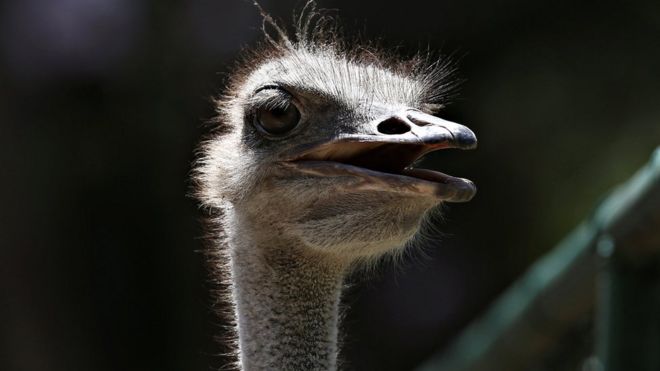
(415, 132)
(430, 131)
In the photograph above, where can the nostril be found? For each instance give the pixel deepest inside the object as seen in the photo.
(393, 126)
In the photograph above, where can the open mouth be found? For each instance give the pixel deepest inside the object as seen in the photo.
(386, 164)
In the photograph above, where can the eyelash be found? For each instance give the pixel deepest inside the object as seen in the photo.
(279, 99)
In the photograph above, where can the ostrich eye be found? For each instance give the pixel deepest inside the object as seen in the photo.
(279, 119)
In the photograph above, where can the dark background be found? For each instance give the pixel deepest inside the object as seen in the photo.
(102, 104)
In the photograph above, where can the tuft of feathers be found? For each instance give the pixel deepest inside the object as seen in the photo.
(317, 33)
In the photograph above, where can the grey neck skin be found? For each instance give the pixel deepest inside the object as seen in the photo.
(286, 304)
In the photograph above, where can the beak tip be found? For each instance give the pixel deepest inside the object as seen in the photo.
(466, 139)
(466, 193)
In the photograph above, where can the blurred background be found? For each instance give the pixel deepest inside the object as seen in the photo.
(102, 104)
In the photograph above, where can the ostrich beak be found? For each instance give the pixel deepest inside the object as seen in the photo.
(382, 156)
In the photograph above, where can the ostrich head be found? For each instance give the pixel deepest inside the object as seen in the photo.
(319, 141)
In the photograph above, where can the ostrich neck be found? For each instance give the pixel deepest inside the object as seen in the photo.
(286, 303)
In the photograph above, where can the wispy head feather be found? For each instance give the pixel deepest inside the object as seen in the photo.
(317, 32)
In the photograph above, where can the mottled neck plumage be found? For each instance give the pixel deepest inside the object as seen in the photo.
(287, 302)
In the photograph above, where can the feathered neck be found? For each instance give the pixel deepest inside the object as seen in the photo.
(286, 299)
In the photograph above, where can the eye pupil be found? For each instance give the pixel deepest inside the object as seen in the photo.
(278, 120)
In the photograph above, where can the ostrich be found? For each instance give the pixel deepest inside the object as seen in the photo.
(308, 177)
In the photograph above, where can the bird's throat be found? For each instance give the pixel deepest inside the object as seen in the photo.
(286, 305)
